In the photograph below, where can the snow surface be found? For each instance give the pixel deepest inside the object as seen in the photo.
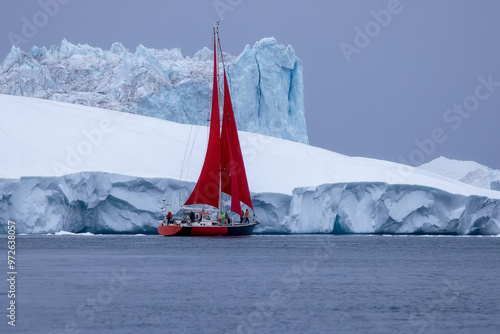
(68, 167)
(465, 171)
(266, 82)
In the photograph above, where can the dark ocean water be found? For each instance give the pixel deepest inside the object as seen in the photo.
(255, 284)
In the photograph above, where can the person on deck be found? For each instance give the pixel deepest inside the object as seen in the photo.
(169, 216)
(223, 218)
(247, 215)
(241, 217)
(191, 216)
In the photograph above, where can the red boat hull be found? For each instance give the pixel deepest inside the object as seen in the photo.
(176, 230)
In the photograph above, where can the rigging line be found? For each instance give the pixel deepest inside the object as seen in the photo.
(188, 163)
(221, 92)
(220, 50)
(208, 128)
(183, 163)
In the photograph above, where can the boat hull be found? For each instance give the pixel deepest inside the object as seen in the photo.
(178, 230)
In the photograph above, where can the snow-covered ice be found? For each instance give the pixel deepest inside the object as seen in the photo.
(465, 171)
(74, 168)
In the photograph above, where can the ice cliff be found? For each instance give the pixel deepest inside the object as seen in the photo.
(392, 209)
(110, 203)
(266, 82)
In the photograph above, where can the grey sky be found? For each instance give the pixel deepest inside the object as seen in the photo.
(396, 90)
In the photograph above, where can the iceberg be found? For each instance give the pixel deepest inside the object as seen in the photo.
(99, 203)
(469, 172)
(81, 169)
(266, 80)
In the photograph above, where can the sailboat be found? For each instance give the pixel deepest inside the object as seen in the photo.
(223, 171)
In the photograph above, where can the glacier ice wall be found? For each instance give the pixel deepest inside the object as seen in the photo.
(86, 202)
(110, 203)
(266, 82)
(392, 209)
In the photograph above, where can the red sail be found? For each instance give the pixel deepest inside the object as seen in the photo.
(206, 190)
(229, 175)
(234, 179)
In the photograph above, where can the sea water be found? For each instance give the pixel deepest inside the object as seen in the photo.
(254, 284)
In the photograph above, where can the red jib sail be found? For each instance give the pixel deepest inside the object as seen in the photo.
(206, 190)
(234, 178)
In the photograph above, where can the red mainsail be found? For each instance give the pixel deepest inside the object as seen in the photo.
(223, 169)
(206, 190)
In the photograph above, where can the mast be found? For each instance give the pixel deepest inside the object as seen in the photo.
(216, 37)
